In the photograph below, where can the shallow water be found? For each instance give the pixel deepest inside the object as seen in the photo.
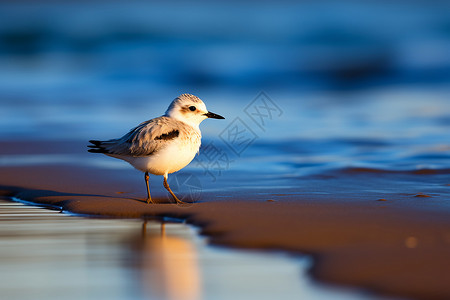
(49, 255)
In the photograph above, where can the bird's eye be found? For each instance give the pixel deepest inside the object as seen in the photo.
(192, 108)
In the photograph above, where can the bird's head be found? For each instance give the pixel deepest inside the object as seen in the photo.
(190, 109)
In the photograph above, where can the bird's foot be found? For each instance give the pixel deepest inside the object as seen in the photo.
(178, 200)
(166, 185)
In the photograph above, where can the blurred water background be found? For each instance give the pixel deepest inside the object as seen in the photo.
(355, 86)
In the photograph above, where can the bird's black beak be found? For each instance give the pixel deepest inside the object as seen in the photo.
(213, 115)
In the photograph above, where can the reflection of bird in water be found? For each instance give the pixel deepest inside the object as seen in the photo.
(161, 145)
(170, 266)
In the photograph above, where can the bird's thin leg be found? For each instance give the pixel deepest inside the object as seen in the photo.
(166, 185)
(149, 198)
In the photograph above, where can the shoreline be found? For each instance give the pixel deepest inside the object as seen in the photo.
(395, 250)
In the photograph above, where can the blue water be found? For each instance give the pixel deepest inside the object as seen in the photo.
(356, 96)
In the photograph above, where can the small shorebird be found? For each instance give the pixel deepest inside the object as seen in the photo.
(162, 145)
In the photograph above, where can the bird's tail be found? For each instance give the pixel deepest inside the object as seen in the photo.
(97, 147)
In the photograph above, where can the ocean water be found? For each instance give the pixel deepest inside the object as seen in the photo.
(320, 98)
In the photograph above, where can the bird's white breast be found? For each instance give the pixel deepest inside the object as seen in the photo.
(177, 154)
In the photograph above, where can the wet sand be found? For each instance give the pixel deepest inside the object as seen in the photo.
(392, 247)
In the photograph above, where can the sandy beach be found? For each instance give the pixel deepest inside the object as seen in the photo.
(390, 246)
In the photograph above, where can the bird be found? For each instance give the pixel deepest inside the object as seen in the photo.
(162, 145)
